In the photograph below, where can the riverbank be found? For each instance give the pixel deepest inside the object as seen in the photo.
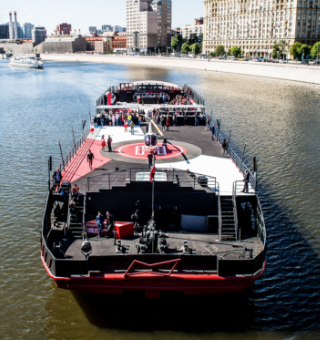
(294, 72)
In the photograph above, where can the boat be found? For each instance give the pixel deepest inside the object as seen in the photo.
(181, 223)
(26, 62)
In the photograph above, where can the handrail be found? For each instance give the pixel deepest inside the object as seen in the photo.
(235, 211)
(237, 160)
(85, 231)
(183, 177)
(73, 151)
(260, 222)
(219, 212)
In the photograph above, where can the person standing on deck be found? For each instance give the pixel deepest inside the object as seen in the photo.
(110, 223)
(100, 222)
(103, 143)
(90, 158)
(102, 119)
(132, 127)
(92, 128)
(213, 130)
(109, 143)
(57, 178)
(224, 146)
(246, 182)
(208, 124)
(150, 160)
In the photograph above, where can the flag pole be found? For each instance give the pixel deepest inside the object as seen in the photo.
(154, 166)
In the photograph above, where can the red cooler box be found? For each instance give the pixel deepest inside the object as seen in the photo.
(124, 230)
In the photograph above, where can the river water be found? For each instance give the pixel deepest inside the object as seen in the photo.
(279, 120)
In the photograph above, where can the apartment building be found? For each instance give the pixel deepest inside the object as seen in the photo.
(255, 25)
(148, 24)
(196, 28)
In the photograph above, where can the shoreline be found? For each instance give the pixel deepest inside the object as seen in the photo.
(299, 73)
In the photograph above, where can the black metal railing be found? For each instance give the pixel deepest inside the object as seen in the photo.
(66, 160)
(236, 158)
(122, 178)
(195, 96)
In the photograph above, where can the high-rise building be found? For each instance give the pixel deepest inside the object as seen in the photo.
(92, 29)
(27, 28)
(4, 31)
(255, 25)
(63, 29)
(106, 27)
(39, 35)
(148, 24)
(196, 29)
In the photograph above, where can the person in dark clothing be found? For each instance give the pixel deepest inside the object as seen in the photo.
(110, 223)
(109, 143)
(224, 146)
(246, 182)
(100, 221)
(90, 158)
(135, 219)
(213, 130)
(57, 178)
(185, 119)
(150, 159)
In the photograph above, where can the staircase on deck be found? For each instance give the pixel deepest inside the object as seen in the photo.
(75, 220)
(228, 219)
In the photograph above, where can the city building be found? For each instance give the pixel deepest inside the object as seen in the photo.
(119, 42)
(62, 44)
(148, 24)
(4, 31)
(255, 25)
(63, 29)
(39, 34)
(118, 29)
(196, 29)
(105, 45)
(90, 41)
(15, 31)
(92, 29)
(107, 28)
(27, 30)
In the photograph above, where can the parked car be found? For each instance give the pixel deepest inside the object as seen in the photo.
(246, 59)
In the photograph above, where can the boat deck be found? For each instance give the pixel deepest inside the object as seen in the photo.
(199, 154)
(202, 244)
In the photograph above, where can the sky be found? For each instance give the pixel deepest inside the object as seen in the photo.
(82, 14)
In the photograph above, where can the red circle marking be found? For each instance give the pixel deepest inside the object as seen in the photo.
(139, 151)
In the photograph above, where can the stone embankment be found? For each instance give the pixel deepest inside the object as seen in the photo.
(292, 71)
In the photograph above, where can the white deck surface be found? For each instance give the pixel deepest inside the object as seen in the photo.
(117, 134)
(223, 169)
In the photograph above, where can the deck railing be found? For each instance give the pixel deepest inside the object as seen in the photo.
(236, 158)
(66, 160)
(123, 177)
(195, 96)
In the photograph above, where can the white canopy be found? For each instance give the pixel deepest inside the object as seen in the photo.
(182, 106)
(140, 106)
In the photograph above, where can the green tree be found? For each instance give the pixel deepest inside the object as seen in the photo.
(193, 39)
(212, 54)
(305, 51)
(295, 50)
(220, 50)
(185, 48)
(174, 44)
(315, 51)
(195, 49)
(235, 51)
(276, 48)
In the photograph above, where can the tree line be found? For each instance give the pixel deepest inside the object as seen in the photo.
(279, 51)
(193, 45)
